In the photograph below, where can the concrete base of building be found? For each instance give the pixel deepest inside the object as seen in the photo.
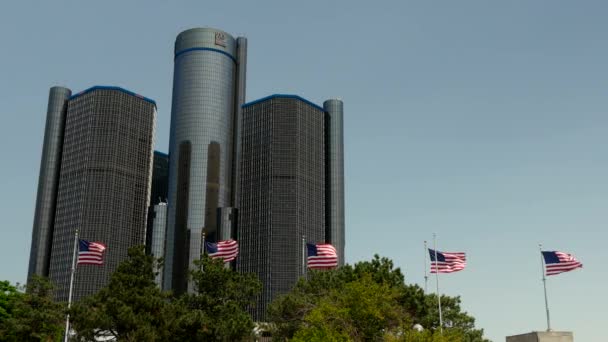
(543, 336)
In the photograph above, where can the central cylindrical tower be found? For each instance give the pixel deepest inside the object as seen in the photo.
(201, 146)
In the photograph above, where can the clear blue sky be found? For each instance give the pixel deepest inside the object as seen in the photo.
(483, 121)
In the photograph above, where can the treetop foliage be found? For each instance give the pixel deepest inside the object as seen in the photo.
(30, 316)
(367, 301)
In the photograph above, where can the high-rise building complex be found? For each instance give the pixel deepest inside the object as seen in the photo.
(285, 188)
(213, 192)
(99, 158)
(269, 173)
(208, 90)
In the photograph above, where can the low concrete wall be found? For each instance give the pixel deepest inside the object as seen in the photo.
(543, 336)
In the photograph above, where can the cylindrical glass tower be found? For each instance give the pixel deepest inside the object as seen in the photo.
(334, 184)
(48, 180)
(201, 144)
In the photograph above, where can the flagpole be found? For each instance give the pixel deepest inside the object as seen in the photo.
(542, 270)
(303, 255)
(426, 276)
(67, 320)
(437, 282)
(203, 248)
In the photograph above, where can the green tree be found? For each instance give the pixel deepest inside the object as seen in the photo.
(426, 336)
(289, 312)
(217, 310)
(9, 295)
(454, 319)
(334, 305)
(33, 315)
(130, 308)
(359, 310)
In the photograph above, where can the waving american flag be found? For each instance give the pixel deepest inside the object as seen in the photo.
(227, 249)
(321, 256)
(447, 262)
(90, 253)
(559, 262)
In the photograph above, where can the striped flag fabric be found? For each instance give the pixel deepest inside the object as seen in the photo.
(447, 262)
(559, 262)
(90, 253)
(321, 256)
(226, 249)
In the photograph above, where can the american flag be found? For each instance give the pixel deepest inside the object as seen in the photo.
(559, 262)
(90, 253)
(321, 256)
(447, 262)
(227, 250)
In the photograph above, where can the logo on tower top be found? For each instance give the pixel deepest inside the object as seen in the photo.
(220, 39)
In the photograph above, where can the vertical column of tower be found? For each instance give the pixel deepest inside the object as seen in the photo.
(158, 194)
(200, 145)
(157, 244)
(241, 74)
(48, 180)
(334, 147)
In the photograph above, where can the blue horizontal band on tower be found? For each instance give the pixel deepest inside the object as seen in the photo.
(93, 88)
(181, 52)
(283, 96)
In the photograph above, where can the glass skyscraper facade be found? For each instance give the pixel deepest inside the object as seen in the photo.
(104, 183)
(160, 178)
(158, 194)
(156, 245)
(282, 194)
(208, 90)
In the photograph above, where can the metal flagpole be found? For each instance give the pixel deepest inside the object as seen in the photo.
(437, 282)
(303, 255)
(203, 248)
(542, 269)
(426, 276)
(67, 320)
